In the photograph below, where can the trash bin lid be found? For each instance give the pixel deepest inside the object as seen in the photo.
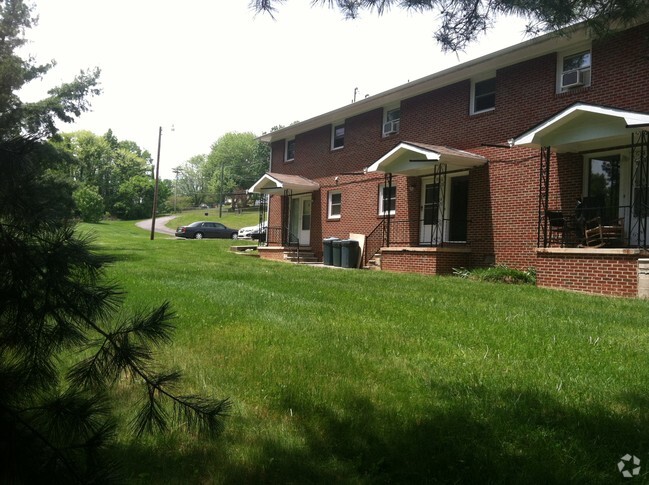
(336, 242)
(330, 238)
(349, 242)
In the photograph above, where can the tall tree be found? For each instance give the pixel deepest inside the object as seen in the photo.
(462, 21)
(64, 103)
(236, 161)
(55, 305)
(108, 164)
(192, 182)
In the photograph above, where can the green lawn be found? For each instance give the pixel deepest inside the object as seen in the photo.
(366, 377)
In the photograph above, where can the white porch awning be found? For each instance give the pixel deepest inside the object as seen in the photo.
(584, 127)
(415, 159)
(277, 183)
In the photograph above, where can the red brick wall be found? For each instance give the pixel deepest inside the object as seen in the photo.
(423, 262)
(273, 253)
(503, 195)
(605, 274)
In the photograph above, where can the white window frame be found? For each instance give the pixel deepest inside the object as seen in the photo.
(334, 127)
(584, 48)
(286, 159)
(386, 117)
(382, 212)
(330, 204)
(473, 94)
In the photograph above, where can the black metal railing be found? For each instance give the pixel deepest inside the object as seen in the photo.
(281, 236)
(374, 241)
(408, 233)
(570, 228)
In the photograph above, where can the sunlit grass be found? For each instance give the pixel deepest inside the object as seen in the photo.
(370, 377)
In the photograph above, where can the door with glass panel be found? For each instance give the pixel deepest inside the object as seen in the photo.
(429, 233)
(300, 220)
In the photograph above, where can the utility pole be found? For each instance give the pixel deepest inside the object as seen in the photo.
(155, 190)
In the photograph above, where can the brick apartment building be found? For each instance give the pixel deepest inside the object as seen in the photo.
(513, 158)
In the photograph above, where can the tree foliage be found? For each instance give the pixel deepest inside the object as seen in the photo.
(236, 161)
(463, 21)
(114, 167)
(192, 182)
(89, 203)
(64, 340)
(64, 103)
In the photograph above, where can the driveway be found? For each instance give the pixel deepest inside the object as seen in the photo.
(160, 225)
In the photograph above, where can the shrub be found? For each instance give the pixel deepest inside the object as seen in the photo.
(90, 204)
(498, 274)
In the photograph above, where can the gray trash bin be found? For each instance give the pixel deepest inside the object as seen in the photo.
(335, 246)
(349, 253)
(327, 250)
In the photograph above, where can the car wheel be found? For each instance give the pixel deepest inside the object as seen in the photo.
(198, 235)
(234, 236)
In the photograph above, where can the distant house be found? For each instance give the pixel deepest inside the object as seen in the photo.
(534, 156)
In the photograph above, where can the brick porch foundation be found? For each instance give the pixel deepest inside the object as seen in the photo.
(424, 260)
(612, 272)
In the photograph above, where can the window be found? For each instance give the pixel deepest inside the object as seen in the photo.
(391, 121)
(290, 150)
(335, 204)
(387, 200)
(484, 95)
(574, 70)
(338, 136)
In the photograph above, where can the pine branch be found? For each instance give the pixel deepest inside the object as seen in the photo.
(57, 453)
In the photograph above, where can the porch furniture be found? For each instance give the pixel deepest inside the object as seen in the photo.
(556, 227)
(600, 234)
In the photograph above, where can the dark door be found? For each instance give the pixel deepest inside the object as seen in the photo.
(459, 208)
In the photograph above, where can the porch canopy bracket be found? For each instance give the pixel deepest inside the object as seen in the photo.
(544, 197)
(278, 183)
(585, 128)
(418, 160)
(408, 158)
(286, 186)
(640, 185)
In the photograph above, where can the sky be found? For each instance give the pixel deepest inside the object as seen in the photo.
(209, 67)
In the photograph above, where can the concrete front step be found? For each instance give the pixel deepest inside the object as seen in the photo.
(305, 256)
(374, 263)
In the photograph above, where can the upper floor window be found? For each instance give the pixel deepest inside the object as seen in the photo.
(574, 70)
(290, 150)
(391, 120)
(387, 199)
(335, 205)
(338, 136)
(483, 95)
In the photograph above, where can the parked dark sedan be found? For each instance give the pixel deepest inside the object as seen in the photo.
(201, 229)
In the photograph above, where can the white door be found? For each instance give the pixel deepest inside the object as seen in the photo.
(429, 217)
(300, 220)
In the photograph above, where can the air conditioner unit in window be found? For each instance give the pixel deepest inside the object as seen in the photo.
(391, 127)
(572, 79)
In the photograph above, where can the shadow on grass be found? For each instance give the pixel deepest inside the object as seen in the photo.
(521, 437)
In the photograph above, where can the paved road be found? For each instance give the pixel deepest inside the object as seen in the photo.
(159, 225)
